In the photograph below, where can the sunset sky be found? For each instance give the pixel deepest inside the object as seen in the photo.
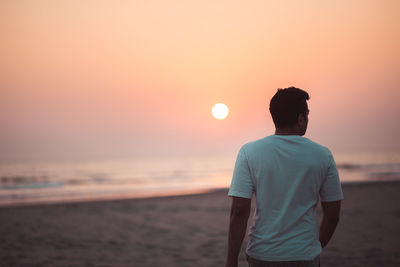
(139, 78)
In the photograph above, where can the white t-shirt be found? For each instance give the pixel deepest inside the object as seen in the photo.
(288, 174)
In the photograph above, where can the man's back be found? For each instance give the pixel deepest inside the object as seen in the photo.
(287, 174)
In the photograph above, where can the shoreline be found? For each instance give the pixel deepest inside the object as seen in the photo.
(167, 194)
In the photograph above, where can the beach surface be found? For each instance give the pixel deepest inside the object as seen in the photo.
(184, 231)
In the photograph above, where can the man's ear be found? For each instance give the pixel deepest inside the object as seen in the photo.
(301, 119)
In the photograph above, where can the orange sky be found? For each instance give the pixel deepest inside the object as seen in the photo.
(138, 78)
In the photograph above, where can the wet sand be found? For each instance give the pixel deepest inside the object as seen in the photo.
(184, 231)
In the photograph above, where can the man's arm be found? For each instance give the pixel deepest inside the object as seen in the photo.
(240, 212)
(331, 212)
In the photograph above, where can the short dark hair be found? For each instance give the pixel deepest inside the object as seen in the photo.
(286, 105)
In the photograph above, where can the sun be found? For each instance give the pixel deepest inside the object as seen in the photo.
(220, 111)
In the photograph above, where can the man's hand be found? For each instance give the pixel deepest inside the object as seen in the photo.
(240, 212)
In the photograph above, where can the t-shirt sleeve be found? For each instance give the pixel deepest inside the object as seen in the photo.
(241, 185)
(331, 189)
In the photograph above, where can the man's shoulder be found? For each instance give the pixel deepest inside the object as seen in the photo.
(318, 147)
(256, 143)
(257, 148)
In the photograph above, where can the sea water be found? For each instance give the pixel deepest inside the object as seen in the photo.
(66, 181)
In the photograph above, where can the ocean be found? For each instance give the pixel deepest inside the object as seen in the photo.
(69, 181)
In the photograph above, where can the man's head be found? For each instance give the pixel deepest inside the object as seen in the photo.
(289, 110)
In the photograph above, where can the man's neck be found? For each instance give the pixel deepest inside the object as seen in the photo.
(286, 131)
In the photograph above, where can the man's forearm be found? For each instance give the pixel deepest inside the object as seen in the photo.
(330, 219)
(237, 231)
(326, 230)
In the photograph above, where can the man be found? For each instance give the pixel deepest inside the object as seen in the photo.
(288, 174)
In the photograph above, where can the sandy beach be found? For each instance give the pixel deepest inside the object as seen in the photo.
(184, 231)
